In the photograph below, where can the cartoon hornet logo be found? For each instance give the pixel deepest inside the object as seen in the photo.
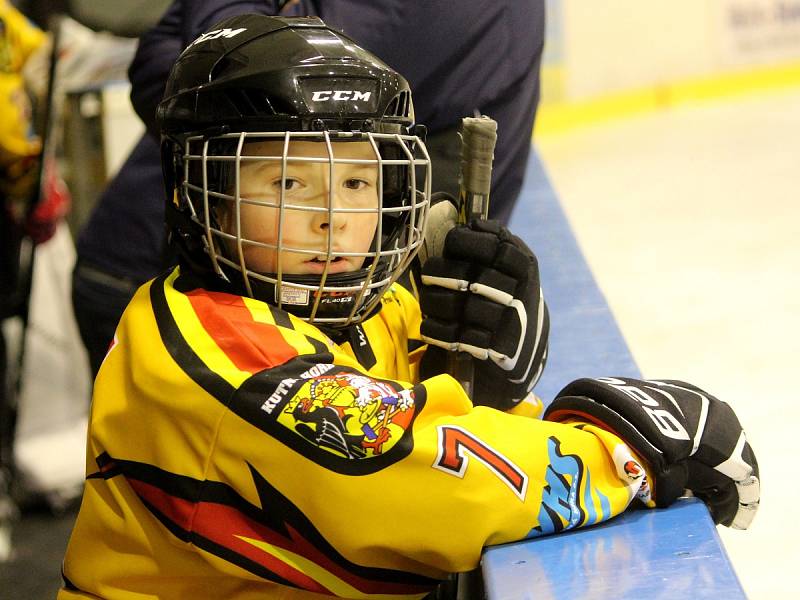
(350, 414)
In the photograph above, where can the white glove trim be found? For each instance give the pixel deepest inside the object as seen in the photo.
(539, 325)
(701, 423)
(536, 377)
(747, 485)
(749, 492)
(504, 299)
(446, 345)
(479, 353)
(704, 404)
(460, 285)
(734, 466)
(493, 294)
(475, 351)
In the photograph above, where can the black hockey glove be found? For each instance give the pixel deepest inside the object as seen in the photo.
(483, 297)
(689, 440)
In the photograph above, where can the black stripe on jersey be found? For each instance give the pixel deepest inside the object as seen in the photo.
(219, 511)
(280, 317)
(270, 496)
(179, 349)
(108, 468)
(359, 342)
(320, 348)
(68, 585)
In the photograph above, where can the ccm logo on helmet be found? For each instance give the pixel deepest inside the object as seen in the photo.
(339, 95)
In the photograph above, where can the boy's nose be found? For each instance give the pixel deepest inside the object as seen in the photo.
(328, 219)
(335, 219)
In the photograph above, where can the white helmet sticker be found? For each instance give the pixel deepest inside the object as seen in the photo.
(218, 33)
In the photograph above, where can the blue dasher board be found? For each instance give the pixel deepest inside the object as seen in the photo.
(668, 553)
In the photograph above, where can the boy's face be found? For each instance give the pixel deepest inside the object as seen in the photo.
(307, 185)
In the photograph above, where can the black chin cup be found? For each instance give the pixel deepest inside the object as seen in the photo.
(298, 294)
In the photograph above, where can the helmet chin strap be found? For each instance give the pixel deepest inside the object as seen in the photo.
(297, 294)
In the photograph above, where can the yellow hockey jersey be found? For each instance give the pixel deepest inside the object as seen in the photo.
(235, 451)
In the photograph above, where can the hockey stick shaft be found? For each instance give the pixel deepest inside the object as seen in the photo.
(478, 138)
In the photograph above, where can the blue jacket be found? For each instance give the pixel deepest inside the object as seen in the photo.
(459, 57)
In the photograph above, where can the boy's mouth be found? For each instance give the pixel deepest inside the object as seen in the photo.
(338, 264)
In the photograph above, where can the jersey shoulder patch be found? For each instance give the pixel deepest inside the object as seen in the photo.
(337, 416)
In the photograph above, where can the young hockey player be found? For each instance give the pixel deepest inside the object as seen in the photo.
(268, 422)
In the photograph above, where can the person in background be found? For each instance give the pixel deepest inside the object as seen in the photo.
(29, 214)
(460, 59)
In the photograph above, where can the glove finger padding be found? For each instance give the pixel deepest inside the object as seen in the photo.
(489, 244)
(483, 297)
(467, 318)
(688, 438)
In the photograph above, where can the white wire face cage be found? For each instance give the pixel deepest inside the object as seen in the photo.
(336, 284)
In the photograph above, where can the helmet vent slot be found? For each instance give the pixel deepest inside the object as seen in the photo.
(399, 105)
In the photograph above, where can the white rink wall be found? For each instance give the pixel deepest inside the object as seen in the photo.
(668, 130)
(610, 46)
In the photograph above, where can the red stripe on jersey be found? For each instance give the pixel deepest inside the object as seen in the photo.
(177, 510)
(225, 525)
(222, 524)
(251, 346)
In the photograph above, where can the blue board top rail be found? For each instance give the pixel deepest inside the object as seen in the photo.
(660, 553)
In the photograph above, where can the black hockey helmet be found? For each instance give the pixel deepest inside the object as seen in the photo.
(259, 73)
(253, 78)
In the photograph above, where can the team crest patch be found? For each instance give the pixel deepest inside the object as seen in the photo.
(347, 413)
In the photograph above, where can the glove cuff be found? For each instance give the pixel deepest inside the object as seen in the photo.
(667, 481)
(496, 392)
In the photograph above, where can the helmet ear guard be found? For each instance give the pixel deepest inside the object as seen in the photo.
(181, 228)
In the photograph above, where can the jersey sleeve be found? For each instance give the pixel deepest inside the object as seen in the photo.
(415, 479)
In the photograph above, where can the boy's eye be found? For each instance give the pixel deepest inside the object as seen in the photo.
(355, 184)
(289, 185)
